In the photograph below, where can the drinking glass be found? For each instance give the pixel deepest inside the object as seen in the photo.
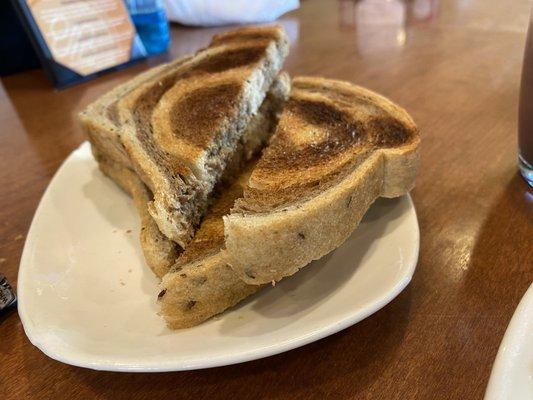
(525, 111)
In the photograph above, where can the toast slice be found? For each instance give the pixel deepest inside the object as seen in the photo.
(181, 129)
(160, 252)
(201, 284)
(336, 149)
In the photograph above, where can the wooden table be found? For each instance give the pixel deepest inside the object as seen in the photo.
(457, 71)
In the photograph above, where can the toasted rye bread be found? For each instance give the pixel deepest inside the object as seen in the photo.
(201, 284)
(181, 129)
(337, 148)
(160, 252)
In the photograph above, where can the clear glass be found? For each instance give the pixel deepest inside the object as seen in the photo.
(525, 111)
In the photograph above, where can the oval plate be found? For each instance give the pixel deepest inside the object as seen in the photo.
(87, 298)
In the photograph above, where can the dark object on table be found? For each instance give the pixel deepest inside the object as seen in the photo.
(16, 51)
(7, 295)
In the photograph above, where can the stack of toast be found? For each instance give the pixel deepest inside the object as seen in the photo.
(242, 176)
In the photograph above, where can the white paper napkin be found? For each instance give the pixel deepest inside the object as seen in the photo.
(227, 12)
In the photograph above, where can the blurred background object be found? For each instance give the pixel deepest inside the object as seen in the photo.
(7, 295)
(525, 111)
(217, 13)
(16, 51)
(76, 40)
(380, 25)
(420, 11)
(150, 20)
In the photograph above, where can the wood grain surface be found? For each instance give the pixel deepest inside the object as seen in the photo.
(456, 69)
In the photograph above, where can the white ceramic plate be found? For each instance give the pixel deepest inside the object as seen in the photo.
(86, 297)
(512, 373)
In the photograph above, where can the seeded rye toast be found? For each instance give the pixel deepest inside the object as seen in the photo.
(337, 148)
(180, 129)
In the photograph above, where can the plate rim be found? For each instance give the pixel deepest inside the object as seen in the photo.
(206, 362)
(507, 355)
